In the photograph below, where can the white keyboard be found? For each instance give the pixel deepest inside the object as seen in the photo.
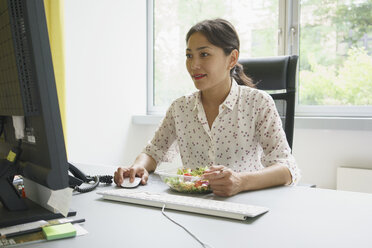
(185, 203)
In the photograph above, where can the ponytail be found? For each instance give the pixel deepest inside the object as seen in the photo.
(238, 74)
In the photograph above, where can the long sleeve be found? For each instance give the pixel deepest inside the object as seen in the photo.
(272, 138)
(160, 147)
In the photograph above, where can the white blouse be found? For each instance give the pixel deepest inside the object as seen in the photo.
(246, 136)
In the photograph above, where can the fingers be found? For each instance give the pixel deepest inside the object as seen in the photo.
(119, 176)
(215, 168)
(145, 177)
(218, 174)
(223, 189)
(213, 175)
(132, 174)
(214, 172)
(219, 182)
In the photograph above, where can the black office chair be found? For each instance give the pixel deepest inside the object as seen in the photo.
(277, 75)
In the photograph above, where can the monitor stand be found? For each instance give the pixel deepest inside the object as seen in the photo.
(16, 210)
(34, 212)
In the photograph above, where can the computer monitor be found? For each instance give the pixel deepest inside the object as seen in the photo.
(28, 89)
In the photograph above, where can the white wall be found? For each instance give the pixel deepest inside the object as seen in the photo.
(320, 151)
(105, 79)
(106, 86)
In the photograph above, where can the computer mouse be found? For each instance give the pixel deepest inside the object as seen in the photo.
(127, 184)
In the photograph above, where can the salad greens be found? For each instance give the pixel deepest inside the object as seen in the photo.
(188, 181)
(190, 172)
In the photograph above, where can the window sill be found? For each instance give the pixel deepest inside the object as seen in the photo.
(337, 123)
(147, 119)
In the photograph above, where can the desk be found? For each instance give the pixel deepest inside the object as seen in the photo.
(298, 217)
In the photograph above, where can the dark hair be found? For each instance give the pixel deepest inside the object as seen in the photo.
(222, 33)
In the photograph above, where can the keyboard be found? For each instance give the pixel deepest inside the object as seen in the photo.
(185, 203)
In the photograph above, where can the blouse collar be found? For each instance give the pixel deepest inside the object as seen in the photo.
(230, 100)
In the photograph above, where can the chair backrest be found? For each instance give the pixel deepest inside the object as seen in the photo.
(277, 76)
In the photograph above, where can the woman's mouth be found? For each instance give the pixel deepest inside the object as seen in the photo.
(199, 76)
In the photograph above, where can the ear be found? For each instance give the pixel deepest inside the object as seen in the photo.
(234, 56)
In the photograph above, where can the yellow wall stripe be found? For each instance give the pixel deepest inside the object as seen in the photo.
(54, 10)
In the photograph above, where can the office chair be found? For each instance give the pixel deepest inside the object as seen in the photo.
(277, 76)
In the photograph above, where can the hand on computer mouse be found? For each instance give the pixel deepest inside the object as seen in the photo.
(127, 184)
(130, 173)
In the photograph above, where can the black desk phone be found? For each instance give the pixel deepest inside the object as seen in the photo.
(78, 178)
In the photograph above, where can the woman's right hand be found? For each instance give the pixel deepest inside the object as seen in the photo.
(131, 172)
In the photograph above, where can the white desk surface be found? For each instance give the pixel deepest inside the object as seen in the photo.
(299, 217)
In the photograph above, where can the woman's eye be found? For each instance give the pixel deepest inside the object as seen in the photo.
(204, 54)
(188, 55)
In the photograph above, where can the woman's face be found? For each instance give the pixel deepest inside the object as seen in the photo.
(207, 64)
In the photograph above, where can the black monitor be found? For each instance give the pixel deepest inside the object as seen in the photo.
(28, 91)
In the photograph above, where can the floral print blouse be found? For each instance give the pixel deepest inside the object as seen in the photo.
(246, 136)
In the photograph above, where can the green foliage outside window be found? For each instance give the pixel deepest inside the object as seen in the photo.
(335, 53)
(349, 84)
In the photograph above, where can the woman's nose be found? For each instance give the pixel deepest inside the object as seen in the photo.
(195, 64)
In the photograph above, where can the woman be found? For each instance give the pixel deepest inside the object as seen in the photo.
(227, 124)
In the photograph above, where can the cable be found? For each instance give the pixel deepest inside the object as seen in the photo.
(96, 179)
(184, 228)
(89, 188)
(105, 179)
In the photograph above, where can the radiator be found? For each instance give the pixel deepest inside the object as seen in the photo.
(354, 179)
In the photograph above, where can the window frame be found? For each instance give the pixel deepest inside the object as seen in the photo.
(288, 44)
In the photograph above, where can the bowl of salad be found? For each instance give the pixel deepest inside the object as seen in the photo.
(186, 180)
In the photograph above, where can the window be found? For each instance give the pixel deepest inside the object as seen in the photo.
(332, 37)
(335, 70)
(255, 21)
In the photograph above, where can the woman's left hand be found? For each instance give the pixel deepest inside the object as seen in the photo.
(223, 181)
